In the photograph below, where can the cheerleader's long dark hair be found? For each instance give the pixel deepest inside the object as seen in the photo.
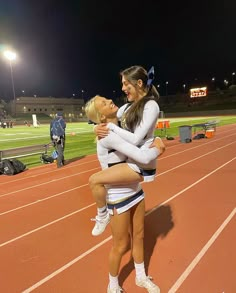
(134, 114)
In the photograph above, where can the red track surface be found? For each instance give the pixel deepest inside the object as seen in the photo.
(45, 229)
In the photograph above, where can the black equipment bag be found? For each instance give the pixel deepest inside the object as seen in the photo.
(46, 159)
(12, 166)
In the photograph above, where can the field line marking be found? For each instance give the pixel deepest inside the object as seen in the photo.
(48, 182)
(201, 254)
(190, 186)
(192, 148)
(63, 192)
(190, 161)
(43, 199)
(52, 171)
(48, 172)
(44, 183)
(66, 266)
(69, 264)
(46, 225)
(82, 163)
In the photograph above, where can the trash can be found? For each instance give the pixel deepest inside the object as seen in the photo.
(185, 133)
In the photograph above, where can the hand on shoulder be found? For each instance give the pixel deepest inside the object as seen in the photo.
(101, 130)
(159, 144)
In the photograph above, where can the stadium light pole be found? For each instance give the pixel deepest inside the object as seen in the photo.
(82, 92)
(11, 56)
(167, 87)
(213, 82)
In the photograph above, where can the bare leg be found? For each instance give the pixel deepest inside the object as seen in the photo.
(119, 174)
(120, 234)
(141, 279)
(137, 219)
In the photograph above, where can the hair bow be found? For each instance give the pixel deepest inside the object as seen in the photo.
(150, 76)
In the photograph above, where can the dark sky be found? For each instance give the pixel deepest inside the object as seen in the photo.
(67, 46)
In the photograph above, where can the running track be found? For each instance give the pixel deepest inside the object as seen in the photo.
(45, 229)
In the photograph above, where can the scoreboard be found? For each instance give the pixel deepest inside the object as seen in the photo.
(198, 92)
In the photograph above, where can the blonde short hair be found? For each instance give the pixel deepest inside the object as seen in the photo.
(91, 111)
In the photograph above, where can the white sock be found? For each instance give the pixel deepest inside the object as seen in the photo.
(140, 270)
(102, 212)
(113, 282)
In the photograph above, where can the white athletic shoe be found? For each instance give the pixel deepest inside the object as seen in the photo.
(117, 290)
(100, 225)
(148, 284)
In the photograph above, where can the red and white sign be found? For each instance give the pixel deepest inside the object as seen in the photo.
(198, 92)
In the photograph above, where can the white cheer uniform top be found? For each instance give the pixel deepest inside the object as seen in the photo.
(111, 150)
(143, 136)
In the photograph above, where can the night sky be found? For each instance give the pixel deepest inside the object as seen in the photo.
(65, 47)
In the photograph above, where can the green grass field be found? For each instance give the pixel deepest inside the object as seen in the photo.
(82, 143)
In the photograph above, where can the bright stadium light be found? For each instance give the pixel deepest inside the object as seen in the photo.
(226, 82)
(11, 56)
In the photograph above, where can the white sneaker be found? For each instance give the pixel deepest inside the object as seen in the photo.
(148, 284)
(117, 290)
(100, 225)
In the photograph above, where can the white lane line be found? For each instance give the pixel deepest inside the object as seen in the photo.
(43, 199)
(192, 148)
(66, 266)
(82, 163)
(190, 186)
(69, 264)
(63, 192)
(200, 255)
(197, 158)
(48, 172)
(46, 225)
(45, 183)
(224, 132)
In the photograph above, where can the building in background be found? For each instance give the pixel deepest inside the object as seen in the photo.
(73, 109)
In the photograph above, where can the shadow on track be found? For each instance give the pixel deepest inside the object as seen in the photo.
(157, 224)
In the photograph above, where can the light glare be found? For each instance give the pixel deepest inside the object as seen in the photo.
(10, 55)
